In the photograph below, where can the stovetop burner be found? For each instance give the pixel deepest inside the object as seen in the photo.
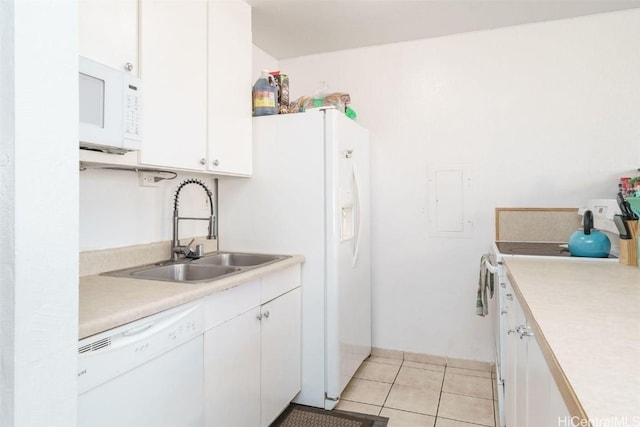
(533, 248)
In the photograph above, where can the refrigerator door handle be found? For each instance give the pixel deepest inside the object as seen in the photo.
(358, 237)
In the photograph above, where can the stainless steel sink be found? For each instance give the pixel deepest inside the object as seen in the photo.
(235, 259)
(205, 269)
(184, 272)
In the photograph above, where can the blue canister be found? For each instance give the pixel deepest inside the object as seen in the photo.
(264, 95)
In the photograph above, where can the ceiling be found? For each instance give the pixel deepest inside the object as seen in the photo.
(290, 28)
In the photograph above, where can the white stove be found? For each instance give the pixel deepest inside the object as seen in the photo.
(603, 213)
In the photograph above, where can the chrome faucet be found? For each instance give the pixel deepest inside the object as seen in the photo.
(187, 250)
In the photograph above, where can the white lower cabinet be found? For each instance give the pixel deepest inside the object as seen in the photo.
(232, 372)
(252, 351)
(280, 373)
(532, 398)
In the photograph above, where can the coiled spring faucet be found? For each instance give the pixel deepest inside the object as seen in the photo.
(186, 250)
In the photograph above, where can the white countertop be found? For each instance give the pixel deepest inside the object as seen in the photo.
(589, 314)
(108, 302)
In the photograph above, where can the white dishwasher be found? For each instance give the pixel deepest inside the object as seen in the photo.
(145, 373)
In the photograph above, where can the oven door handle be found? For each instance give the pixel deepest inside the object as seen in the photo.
(492, 268)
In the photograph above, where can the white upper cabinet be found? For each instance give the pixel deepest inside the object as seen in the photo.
(230, 82)
(195, 64)
(108, 32)
(173, 69)
(194, 60)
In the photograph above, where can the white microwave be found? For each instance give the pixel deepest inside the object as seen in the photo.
(110, 107)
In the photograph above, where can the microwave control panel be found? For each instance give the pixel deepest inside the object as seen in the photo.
(132, 108)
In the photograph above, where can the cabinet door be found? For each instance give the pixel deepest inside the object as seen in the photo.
(232, 372)
(280, 354)
(510, 344)
(558, 412)
(521, 406)
(108, 32)
(230, 80)
(173, 68)
(539, 381)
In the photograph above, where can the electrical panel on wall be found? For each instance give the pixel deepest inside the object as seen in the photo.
(448, 201)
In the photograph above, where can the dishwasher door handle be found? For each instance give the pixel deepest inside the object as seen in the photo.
(137, 329)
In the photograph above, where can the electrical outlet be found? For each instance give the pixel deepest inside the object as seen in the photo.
(147, 179)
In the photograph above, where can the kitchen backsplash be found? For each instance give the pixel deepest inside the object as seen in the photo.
(536, 224)
(99, 261)
(116, 212)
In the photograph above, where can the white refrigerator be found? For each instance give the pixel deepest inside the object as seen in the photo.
(309, 195)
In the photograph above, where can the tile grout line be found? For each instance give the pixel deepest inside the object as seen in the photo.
(444, 375)
(464, 422)
(442, 391)
(467, 395)
(494, 381)
(445, 370)
(390, 388)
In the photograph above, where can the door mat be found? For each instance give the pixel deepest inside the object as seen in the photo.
(307, 416)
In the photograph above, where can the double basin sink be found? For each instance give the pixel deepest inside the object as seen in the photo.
(204, 269)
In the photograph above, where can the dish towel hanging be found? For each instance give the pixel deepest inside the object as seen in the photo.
(485, 286)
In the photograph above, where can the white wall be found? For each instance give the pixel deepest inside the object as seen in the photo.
(545, 115)
(262, 61)
(38, 213)
(115, 211)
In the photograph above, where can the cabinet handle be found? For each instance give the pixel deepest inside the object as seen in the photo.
(128, 66)
(266, 314)
(503, 312)
(203, 161)
(526, 334)
(510, 297)
(259, 317)
(511, 331)
(503, 285)
(216, 162)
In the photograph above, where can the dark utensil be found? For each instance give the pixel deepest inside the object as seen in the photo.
(620, 200)
(587, 222)
(623, 228)
(630, 214)
(625, 208)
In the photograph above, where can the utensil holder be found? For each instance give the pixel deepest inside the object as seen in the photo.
(629, 247)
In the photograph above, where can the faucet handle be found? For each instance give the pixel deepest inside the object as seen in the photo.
(197, 253)
(199, 250)
(187, 247)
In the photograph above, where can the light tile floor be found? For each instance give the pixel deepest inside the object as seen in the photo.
(454, 393)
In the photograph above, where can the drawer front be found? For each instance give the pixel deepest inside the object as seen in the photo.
(280, 282)
(227, 304)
